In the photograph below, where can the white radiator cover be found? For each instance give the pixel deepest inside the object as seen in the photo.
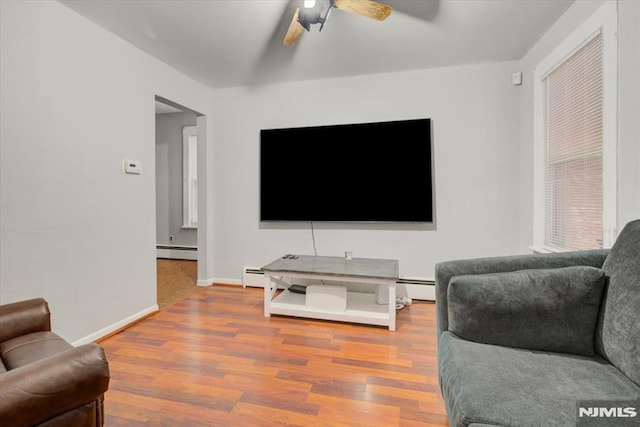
(177, 252)
(252, 276)
(417, 288)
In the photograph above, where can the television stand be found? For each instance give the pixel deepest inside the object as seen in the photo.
(361, 307)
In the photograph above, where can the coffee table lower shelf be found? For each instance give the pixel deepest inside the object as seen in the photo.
(361, 308)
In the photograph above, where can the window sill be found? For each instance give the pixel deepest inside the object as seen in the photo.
(545, 250)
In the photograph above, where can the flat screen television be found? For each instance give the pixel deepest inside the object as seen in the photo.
(365, 172)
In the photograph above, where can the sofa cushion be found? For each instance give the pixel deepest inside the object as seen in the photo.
(618, 332)
(495, 385)
(447, 269)
(547, 309)
(30, 348)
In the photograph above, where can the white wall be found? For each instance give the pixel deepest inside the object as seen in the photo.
(76, 101)
(628, 109)
(475, 124)
(628, 112)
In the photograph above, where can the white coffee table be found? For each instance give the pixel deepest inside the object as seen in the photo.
(361, 307)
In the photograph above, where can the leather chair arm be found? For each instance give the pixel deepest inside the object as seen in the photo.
(36, 392)
(24, 317)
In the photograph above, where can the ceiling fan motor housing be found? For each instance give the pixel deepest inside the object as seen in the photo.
(317, 12)
(312, 15)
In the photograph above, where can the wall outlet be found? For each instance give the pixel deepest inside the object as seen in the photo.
(171, 238)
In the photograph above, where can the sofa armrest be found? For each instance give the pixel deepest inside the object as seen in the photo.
(41, 390)
(24, 317)
(446, 270)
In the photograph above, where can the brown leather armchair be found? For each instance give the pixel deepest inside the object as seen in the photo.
(44, 380)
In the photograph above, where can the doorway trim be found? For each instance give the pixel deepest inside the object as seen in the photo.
(203, 222)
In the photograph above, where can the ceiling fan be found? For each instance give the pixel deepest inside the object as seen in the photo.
(317, 12)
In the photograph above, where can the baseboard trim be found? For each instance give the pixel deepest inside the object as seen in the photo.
(113, 329)
(225, 281)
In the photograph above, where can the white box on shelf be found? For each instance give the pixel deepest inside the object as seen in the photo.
(326, 297)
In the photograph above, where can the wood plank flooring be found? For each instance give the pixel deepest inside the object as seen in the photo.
(213, 359)
(177, 279)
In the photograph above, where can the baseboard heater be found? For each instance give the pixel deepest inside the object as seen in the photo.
(177, 252)
(253, 277)
(418, 288)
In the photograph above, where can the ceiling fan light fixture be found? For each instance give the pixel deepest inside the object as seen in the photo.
(310, 16)
(311, 13)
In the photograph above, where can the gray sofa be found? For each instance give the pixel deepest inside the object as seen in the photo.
(529, 340)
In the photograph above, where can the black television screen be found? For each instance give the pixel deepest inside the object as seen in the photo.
(367, 172)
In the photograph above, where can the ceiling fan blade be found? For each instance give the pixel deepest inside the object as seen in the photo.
(368, 8)
(295, 30)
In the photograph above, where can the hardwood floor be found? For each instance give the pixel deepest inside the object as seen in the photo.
(213, 359)
(177, 279)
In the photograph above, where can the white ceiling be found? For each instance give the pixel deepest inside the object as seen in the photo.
(224, 43)
(162, 108)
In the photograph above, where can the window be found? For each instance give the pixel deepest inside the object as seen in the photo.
(575, 91)
(189, 177)
(573, 150)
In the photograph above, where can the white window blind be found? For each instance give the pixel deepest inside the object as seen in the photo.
(573, 150)
(189, 177)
